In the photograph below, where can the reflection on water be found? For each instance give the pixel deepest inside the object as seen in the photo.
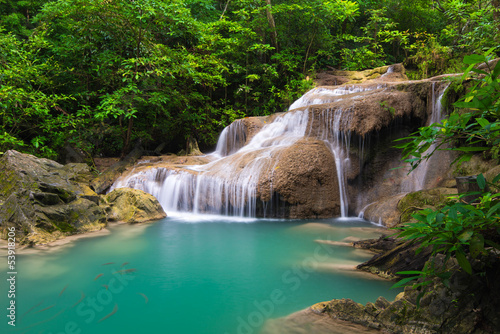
(183, 275)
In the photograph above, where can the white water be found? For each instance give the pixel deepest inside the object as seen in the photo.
(418, 179)
(230, 184)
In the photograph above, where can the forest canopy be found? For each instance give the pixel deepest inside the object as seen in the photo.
(100, 75)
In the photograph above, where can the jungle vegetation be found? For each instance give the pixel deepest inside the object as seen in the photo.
(99, 75)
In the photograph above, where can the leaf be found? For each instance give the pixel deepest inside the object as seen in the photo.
(474, 59)
(404, 281)
(410, 272)
(472, 149)
(481, 181)
(496, 179)
(483, 122)
(463, 262)
(493, 210)
(465, 236)
(492, 244)
(477, 246)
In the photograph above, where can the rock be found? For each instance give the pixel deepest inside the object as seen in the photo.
(466, 305)
(400, 258)
(385, 210)
(132, 206)
(313, 320)
(431, 198)
(102, 183)
(380, 245)
(304, 178)
(45, 200)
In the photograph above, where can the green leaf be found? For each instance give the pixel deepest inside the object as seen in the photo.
(483, 122)
(493, 210)
(481, 181)
(465, 236)
(472, 149)
(404, 281)
(476, 246)
(474, 59)
(463, 262)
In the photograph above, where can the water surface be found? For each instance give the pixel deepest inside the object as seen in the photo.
(189, 274)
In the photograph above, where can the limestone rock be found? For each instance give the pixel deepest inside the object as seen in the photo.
(304, 176)
(45, 200)
(385, 210)
(466, 305)
(133, 206)
(431, 198)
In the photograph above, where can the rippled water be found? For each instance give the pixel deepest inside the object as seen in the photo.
(190, 274)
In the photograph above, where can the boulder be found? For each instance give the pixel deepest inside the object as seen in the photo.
(384, 210)
(423, 199)
(102, 182)
(45, 200)
(304, 176)
(132, 206)
(467, 304)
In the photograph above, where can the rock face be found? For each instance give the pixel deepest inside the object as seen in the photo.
(303, 176)
(132, 206)
(45, 200)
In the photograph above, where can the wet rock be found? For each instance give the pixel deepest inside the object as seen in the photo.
(102, 182)
(132, 206)
(400, 258)
(384, 210)
(304, 176)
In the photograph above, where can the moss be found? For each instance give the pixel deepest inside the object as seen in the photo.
(415, 201)
(474, 166)
(64, 226)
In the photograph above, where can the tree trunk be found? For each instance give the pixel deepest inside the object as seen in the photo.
(272, 25)
(127, 137)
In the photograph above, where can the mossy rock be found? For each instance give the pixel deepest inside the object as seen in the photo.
(44, 200)
(132, 206)
(476, 165)
(415, 201)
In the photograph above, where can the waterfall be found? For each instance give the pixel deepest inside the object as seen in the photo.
(231, 139)
(229, 185)
(419, 178)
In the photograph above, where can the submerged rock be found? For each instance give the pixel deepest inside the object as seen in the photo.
(132, 206)
(467, 304)
(45, 200)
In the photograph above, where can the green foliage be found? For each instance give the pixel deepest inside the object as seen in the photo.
(473, 127)
(99, 75)
(460, 230)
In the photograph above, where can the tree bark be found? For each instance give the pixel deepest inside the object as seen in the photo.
(272, 25)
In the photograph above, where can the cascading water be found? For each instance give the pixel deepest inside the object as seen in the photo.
(229, 185)
(231, 139)
(419, 178)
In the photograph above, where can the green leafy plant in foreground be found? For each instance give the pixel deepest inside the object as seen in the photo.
(464, 231)
(461, 230)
